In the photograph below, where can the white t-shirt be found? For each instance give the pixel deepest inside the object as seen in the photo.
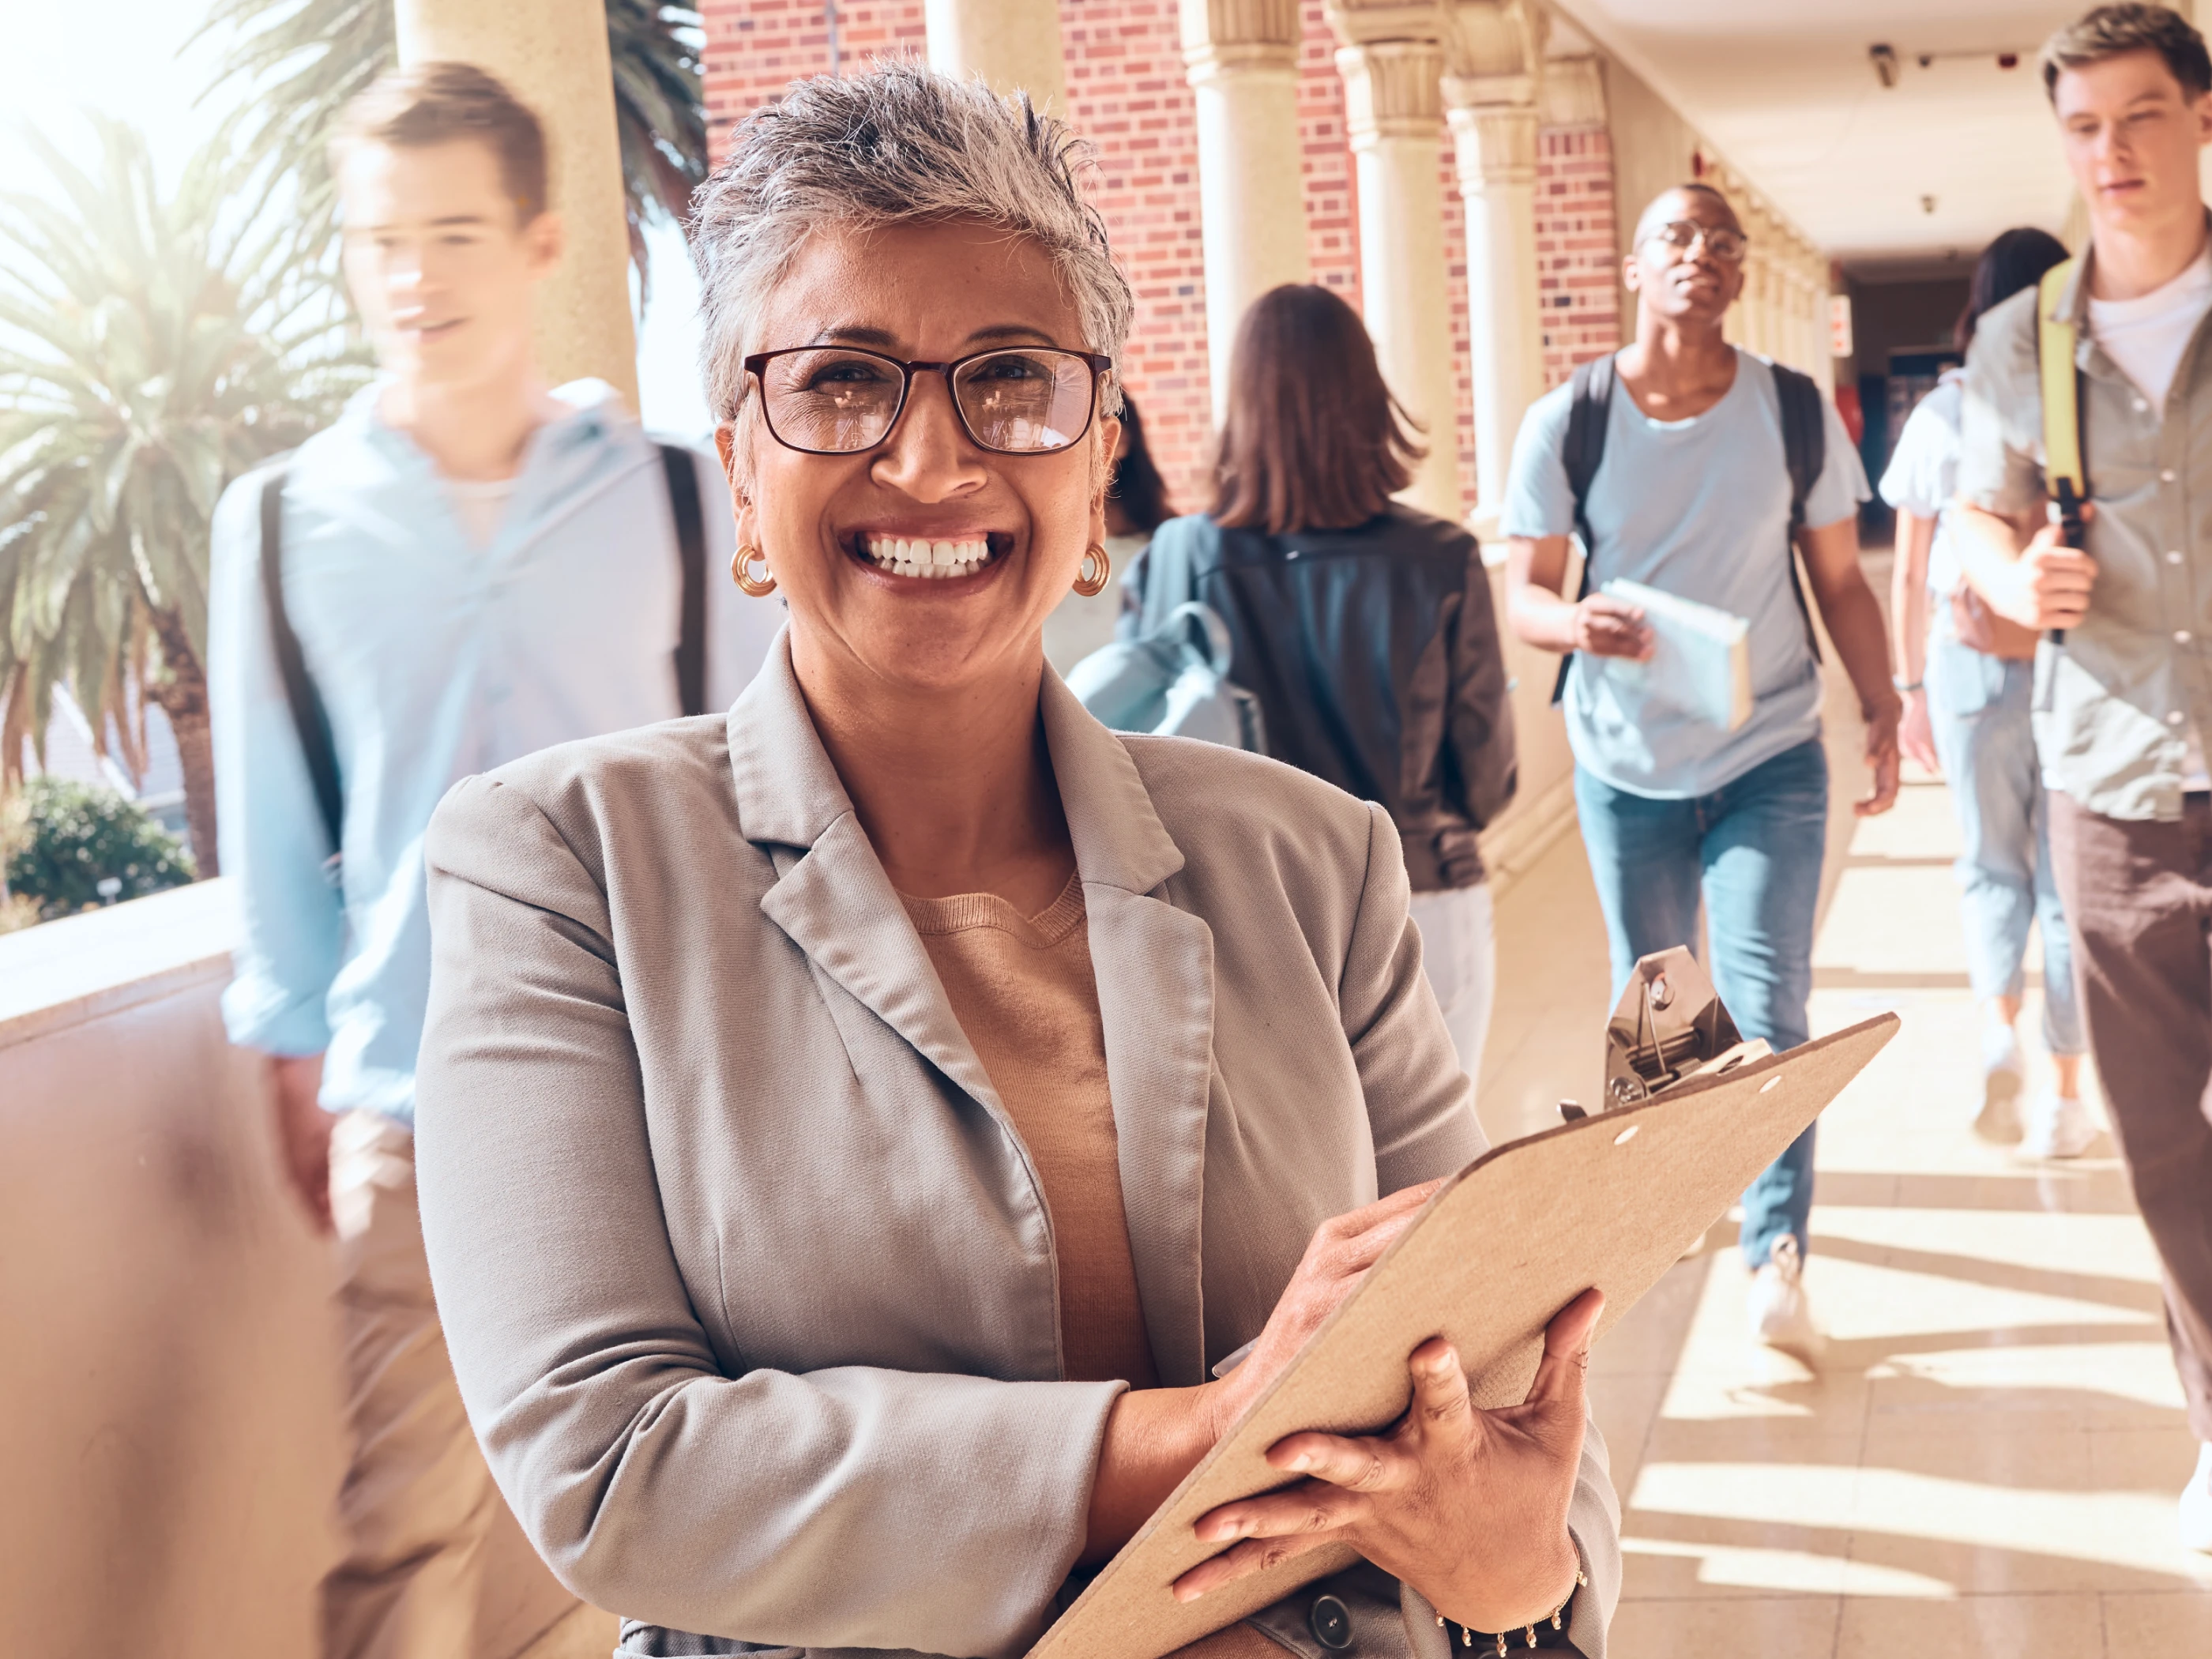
(480, 504)
(1922, 478)
(2146, 336)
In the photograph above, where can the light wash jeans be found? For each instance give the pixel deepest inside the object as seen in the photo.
(1977, 708)
(1752, 848)
(1458, 953)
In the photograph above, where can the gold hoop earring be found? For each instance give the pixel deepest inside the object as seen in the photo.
(1094, 572)
(756, 588)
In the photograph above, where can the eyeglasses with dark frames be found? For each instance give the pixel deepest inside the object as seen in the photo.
(1725, 244)
(1011, 400)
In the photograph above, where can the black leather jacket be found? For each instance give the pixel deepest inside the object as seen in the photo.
(1374, 654)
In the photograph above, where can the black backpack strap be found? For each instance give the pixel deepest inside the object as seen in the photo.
(308, 719)
(1590, 402)
(1805, 451)
(682, 470)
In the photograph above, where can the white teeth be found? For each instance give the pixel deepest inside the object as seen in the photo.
(905, 556)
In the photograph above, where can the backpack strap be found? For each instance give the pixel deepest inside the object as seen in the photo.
(1589, 404)
(309, 718)
(1805, 452)
(2055, 339)
(682, 470)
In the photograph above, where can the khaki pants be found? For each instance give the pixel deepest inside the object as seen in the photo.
(2139, 894)
(431, 1568)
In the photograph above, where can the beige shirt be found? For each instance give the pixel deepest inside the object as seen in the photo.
(1023, 990)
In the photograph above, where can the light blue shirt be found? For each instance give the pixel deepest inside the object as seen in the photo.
(435, 658)
(1922, 479)
(1699, 508)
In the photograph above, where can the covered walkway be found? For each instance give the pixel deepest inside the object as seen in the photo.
(1984, 1464)
(1985, 1461)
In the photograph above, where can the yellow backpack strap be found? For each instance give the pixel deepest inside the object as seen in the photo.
(2061, 407)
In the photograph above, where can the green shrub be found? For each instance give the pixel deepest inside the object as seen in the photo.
(69, 847)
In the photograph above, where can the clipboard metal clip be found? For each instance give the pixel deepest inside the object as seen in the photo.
(1670, 1025)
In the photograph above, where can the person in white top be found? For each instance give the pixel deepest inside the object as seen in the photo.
(1968, 679)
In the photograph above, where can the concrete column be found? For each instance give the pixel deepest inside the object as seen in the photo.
(1758, 284)
(1494, 146)
(1789, 345)
(1241, 60)
(1013, 43)
(1809, 316)
(1824, 362)
(1394, 106)
(552, 54)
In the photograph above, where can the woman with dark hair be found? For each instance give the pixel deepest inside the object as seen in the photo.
(1136, 506)
(1364, 628)
(1967, 677)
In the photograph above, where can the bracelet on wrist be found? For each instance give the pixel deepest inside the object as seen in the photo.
(1556, 1619)
(1908, 686)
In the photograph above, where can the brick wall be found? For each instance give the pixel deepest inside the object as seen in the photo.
(1127, 95)
(754, 48)
(1577, 251)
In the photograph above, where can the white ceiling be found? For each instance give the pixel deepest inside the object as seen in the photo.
(1784, 90)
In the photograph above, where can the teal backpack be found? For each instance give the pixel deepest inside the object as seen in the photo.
(1167, 683)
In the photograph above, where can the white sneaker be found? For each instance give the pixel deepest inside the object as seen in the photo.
(2196, 1505)
(2004, 1075)
(1781, 1317)
(2058, 1126)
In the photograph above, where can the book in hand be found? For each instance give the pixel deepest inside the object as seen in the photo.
(1611, 1198)
(1700, 663)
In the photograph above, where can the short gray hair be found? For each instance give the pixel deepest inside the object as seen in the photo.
(900, 145)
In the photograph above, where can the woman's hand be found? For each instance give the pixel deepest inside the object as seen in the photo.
(1337, 1258)
(1155, 1436)
(1916, 736)
(1469, 1507)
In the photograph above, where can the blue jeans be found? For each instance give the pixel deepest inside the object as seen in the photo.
(1977, 708)
(1752, 849)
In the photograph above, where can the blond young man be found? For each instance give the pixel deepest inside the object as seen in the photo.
(2122, 705)
(473, 566)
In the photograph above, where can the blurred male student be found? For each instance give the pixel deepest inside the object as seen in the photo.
(468, 567)
(2123, 699)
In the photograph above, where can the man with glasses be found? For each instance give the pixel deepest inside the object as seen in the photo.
(1691, 467)
(466, 568)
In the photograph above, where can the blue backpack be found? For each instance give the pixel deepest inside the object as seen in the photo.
(1166, 684)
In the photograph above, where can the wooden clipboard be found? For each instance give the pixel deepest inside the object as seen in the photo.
(1611, 1200)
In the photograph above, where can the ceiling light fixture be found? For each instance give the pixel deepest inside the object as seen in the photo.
(1884, 59)
(1931, 58)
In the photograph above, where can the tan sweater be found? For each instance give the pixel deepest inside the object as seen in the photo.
(1021, 989)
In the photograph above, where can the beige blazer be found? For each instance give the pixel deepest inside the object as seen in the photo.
(747, 1277)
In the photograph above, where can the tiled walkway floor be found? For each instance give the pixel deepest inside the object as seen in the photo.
(1986, 1461)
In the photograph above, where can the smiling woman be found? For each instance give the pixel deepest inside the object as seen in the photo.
(873, 1144)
